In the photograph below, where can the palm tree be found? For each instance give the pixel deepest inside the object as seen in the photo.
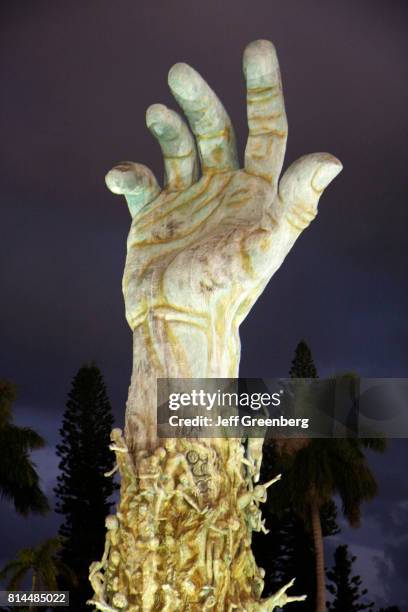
(317, 469)
(19, 481)
(313, 476)
(43, 564)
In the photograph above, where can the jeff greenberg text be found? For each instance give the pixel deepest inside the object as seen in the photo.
(235, 420)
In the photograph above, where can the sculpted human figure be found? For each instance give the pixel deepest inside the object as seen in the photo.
(200, 251)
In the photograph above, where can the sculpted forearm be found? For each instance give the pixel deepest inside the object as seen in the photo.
(174, 344)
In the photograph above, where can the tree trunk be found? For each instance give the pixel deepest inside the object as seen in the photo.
(33, 587)
(319, 558)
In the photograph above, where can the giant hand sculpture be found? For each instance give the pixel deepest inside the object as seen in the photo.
(202, 250)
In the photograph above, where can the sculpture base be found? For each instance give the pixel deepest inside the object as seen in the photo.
(181, 538)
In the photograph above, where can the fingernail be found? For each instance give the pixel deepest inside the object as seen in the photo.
(326, 173)
(121, 179)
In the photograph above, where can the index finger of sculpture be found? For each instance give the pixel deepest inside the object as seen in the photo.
(207, 117)
(267, 123)
(136, 182)
(177, 145)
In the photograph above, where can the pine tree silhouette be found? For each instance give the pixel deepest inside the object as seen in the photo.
(345, 588)
(83, 491)
(303, 365)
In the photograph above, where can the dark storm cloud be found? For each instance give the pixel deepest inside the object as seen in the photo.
(76, 81)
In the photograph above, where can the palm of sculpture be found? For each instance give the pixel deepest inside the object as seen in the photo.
(200, 252)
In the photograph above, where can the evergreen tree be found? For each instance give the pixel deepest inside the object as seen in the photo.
(303, 365)
(19, 481)
(345, 588)
(83, 491)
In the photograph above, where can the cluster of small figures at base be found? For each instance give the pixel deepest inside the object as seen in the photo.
(181, 538)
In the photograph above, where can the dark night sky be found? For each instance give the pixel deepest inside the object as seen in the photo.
(76, 80)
